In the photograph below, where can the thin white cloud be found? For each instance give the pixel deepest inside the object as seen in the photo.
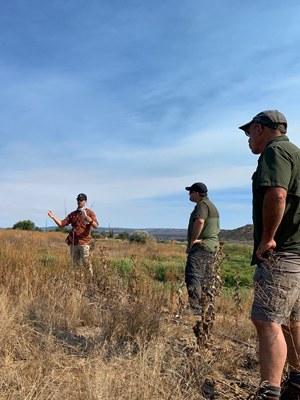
(132, 104)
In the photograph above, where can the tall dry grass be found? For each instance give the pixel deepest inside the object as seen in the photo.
(116, 338)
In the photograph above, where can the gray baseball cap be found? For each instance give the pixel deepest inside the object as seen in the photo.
(270, 118)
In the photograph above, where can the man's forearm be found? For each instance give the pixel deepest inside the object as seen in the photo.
(197, 229)
(94, 224)
(273, 211)
(57, 221)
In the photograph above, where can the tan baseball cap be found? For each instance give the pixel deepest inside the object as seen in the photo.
(270, 118)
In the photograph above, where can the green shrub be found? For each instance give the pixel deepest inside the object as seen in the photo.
(123, 236)
(26, 225)
(160, 273)
(140, 237)
(123, 266)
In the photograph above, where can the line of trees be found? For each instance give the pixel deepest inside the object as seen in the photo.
(138, 236)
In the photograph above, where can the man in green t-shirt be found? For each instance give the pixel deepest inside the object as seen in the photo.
(276, 221)
(203, 242)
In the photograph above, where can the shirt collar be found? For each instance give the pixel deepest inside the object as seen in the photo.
(282, 138)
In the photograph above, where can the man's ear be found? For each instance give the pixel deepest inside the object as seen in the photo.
(260, 129)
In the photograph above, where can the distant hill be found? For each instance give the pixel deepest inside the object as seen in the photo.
(242, 234)
(158, 233)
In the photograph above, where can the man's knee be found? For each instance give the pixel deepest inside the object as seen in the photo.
(266, 327)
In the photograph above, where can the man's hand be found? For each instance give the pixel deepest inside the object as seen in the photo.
(194, 242)
(50, 214)
(84, 214)
(57, 221)
(263, 248)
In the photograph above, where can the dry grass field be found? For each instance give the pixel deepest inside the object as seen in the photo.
(122, 337)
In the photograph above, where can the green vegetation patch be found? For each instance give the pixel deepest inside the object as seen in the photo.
(167, 269)
(236, 265)
(124, 266)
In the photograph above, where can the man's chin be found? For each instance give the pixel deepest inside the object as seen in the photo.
(254, 151)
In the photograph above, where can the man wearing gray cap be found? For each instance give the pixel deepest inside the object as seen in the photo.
(82, 221)
(203, 242)
(276, 253)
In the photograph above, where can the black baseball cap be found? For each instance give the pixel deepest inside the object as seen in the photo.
(197, 187)
(82, 197)
(270, 118)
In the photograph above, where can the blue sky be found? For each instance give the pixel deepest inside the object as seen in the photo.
(131, 101)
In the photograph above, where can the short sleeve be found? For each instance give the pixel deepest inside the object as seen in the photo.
(201, 211)
(66, 221)
(274, 169)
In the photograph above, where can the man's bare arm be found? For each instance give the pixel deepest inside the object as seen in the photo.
(56, 220)
(198, 226)
(273, 210)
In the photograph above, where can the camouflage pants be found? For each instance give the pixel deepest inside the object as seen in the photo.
(81, 256)
(198, 278)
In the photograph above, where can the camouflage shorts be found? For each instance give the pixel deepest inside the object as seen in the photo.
(80, 254)
(277, 289)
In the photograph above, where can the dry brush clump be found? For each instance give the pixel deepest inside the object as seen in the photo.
(113, 338)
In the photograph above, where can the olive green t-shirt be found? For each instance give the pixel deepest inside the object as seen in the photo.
(278, 165)
(206, 210)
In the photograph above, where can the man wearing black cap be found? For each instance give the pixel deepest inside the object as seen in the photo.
(276, 221)
(80, 237)
(203, 242)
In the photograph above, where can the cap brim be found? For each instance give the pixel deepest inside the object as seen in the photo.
(246, 126)
(188, 188)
